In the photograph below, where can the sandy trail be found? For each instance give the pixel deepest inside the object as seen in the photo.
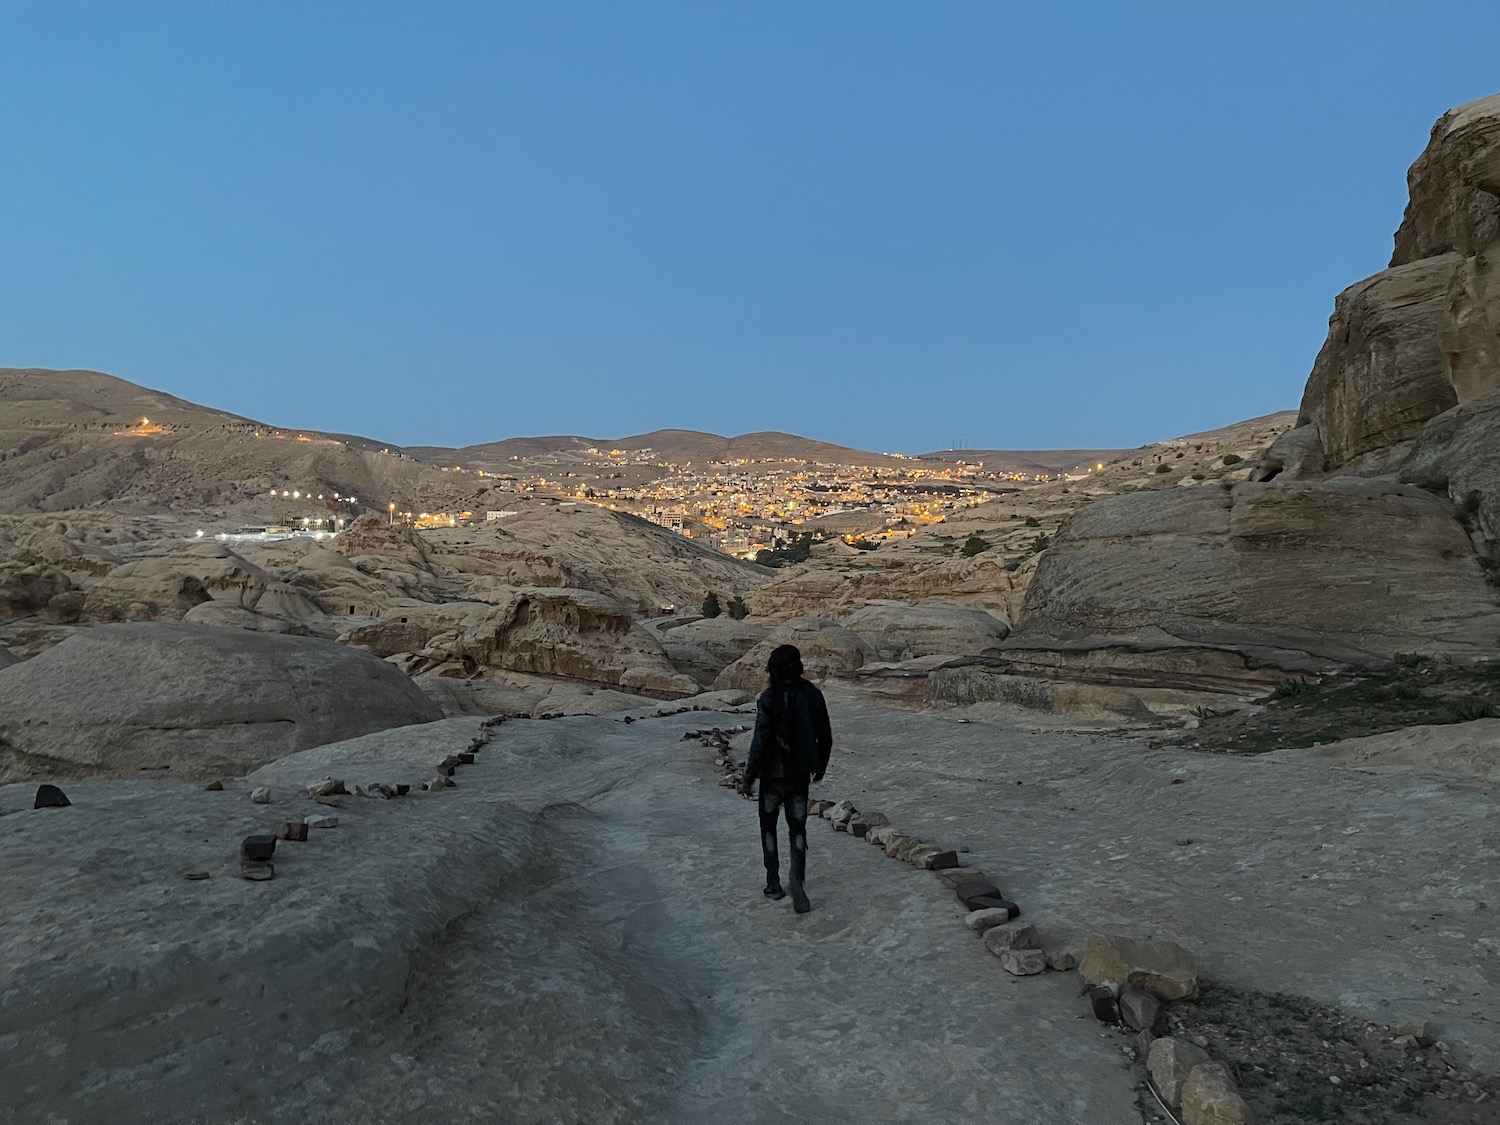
(639, 975)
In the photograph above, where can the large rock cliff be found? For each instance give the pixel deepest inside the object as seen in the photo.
(1370, 528)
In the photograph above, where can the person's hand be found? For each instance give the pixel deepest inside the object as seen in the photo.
(817, 777)
(747, 790)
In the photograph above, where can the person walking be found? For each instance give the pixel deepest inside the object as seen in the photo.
(791, 745)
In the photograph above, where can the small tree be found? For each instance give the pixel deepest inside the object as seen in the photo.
(711, 605)
(973, 547)
(738, 609)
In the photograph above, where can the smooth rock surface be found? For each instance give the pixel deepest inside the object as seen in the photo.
(1349, 569)
(200, 701)
(896, 631)
(538, 945)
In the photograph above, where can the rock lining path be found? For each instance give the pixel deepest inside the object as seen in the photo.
(575, 933)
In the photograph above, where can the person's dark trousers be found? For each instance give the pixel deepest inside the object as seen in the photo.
(789, 793)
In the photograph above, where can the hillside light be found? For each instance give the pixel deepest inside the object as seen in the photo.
(296, 495)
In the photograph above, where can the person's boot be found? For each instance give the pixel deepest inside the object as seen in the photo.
(799, 898)
(773, 889)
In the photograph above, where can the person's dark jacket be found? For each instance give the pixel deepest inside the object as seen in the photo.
(792, 734)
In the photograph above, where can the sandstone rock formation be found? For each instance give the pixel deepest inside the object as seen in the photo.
(828, 649)
(1383, 568)
(570, 634)
(199, 702)
(1408, 381)
(1324, 553)
(895, 631)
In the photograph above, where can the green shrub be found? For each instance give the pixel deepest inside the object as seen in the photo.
(711, 606)
(738, 609)
(1232, 458)
(1291, 689)
(1032, 521)
(1470, 709)
(974, 546)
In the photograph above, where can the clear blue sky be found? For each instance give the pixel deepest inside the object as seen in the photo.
(887, 224)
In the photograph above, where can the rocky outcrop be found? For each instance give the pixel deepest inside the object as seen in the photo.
(222, 615)
(153, 590)
(571, 634)
(1350, 569)
(828, 649)
(196, 701)
(1409, 379)
(984, 582)
(1368, 530)
(25, 590)
(895, 631)
(1383, 371)
(723, 637)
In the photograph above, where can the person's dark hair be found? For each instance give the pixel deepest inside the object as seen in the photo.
(784, 666)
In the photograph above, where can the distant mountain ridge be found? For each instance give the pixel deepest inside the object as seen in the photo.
(49, 399)
(672, 445)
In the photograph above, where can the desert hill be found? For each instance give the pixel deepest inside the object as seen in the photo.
(669, 446)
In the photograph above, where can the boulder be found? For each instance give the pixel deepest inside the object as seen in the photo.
(65, 608)
(895, 631)
(1295, 454)
(982, 921)
(225, 615)
(1023, 962)
(1211, 1097)
(999, 939)
(828, 649)
(1138, 1007)
(25, 590)
(200, 701)
(693, 660)
(1162, 968)
(571, 634)
(1349, 569)
(389, 636)
(149, 590)
(723, 638)
(1169, 1062)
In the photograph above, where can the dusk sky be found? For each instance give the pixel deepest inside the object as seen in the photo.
(891, 225)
